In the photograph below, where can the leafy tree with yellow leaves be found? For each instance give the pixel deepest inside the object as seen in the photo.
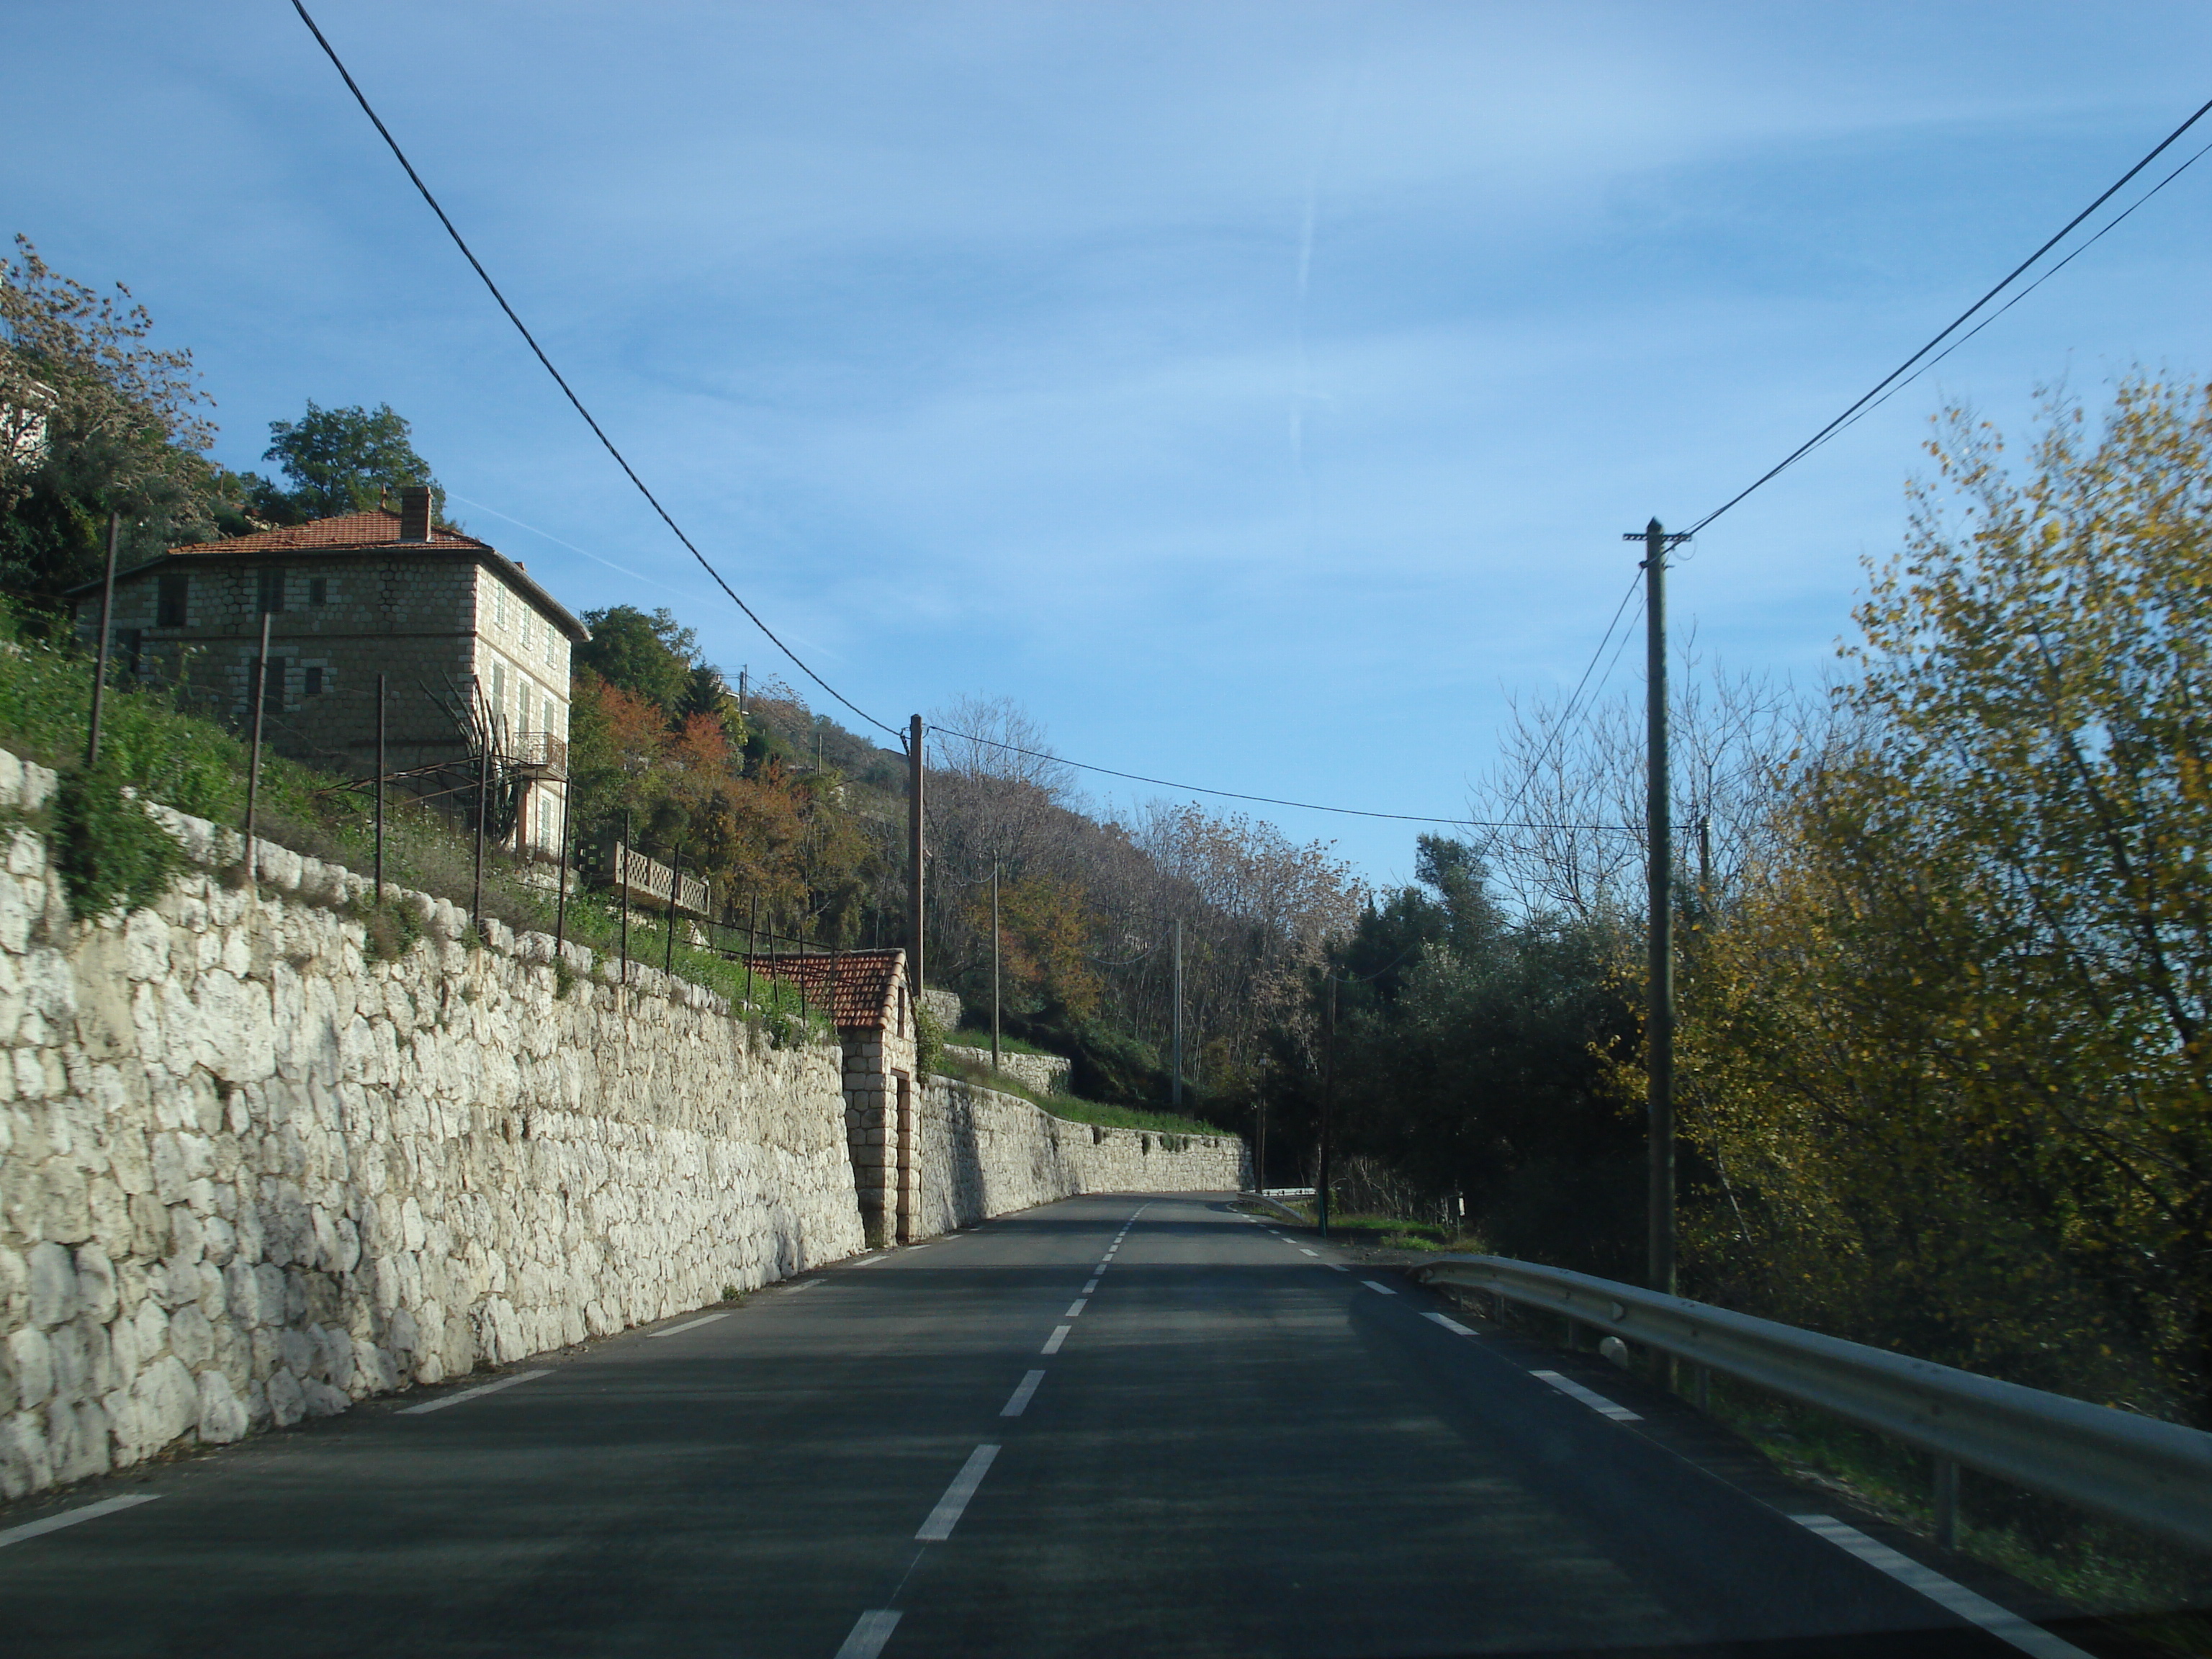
(1946, 1048)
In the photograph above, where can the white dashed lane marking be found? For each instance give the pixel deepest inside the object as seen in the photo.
(1590, 1397)
(1379, 1290)
(468, 1394)
(2001, 1622)
(70, 1517)
(869, 1634)
(954, 1504)
(1075, 1308)
(1091, 1286)
(690, 1325)
(1059, 1335)
(1452, 1325)
(1016, 1406)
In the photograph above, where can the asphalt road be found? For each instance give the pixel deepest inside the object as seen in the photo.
(1112, 1426)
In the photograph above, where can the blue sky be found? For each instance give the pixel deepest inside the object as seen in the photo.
(1255, 393)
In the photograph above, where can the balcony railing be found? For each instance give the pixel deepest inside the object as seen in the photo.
(649, 882)
(543, 753)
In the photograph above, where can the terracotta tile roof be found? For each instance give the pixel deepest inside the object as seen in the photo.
(855, 986)
(354, 532)
(377, 529)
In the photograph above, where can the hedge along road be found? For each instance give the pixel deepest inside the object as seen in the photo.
(1111, 1425)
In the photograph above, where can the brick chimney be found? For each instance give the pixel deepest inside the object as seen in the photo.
(415, 513)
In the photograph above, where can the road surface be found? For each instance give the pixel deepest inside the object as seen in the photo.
(1117, 1425)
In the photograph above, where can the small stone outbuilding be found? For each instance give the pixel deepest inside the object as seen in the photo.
(865, 994)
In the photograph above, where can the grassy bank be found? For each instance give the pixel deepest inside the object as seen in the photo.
(1076, 1111)
(968, 1038)
(165, 753)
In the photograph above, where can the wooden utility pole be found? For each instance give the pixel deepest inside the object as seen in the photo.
(107, 632)
(253, 762)
(1659, 999)
(914, 855)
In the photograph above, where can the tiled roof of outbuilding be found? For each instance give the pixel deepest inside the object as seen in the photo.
(856, 986)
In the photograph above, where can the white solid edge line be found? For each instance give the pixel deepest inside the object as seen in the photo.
(802, 1285)
(1450, 1324)
(1379, 1290)
(468, 1394)
(954, 1504)
(1015, 1407)
(1075, 1308)
(1059, 1335)
(690, 1325)
(1590, 1397)
(70, 1517)
(2000, 1622)
(870, 1632)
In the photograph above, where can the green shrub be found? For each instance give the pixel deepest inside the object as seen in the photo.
(928, 1042)
(110, 853)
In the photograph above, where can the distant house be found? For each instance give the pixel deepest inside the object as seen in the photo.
(472, 650)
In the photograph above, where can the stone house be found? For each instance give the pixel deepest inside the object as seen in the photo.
(455, 627)
(865, 994)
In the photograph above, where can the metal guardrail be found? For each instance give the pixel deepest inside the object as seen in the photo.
(2153, 1474)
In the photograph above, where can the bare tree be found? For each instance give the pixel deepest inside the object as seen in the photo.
(996, 738)
(1572, 792)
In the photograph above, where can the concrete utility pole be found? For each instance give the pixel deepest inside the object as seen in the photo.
(1659, 1011)
(913, 851)
(1328, 1106)
(994, 969)
(1175, 1093)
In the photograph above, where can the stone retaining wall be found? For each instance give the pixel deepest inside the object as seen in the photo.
(982, 1153)
(1046, 1073)
(250, 1171)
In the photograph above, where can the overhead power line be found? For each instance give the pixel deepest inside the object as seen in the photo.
(567, 391)
(2110, 225)
(1264, 800)
(1566, 714)
(705, 564)
(1951, 328)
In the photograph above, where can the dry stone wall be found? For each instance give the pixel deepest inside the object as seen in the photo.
(250, 1170)
(982, 1153)
(1046, 1073)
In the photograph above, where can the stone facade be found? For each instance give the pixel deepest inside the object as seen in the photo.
(879, 1119)
(442, 618)
(1046, 1073)
(250, 1170)
(982, 1153)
